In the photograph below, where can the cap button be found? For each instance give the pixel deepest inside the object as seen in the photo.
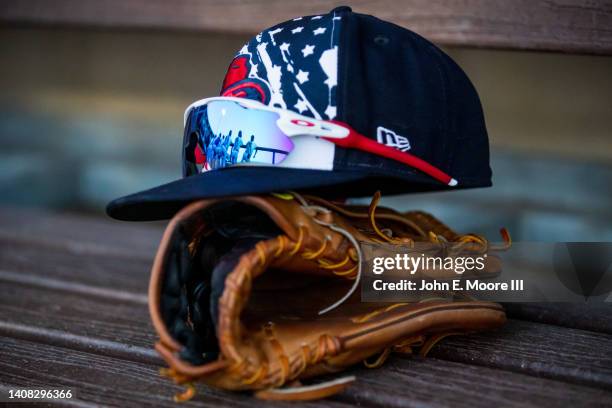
(342, 9)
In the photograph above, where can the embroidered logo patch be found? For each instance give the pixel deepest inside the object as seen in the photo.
(390, 138)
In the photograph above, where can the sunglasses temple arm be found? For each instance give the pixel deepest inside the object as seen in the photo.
(356, 141)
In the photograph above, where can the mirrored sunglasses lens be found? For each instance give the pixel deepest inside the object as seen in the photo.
(224, 133)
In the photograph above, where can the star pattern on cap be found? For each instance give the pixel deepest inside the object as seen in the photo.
(308, 50)
(330, 111)
(301, 106)
(272, 33)
(302, 76)
(295, 63)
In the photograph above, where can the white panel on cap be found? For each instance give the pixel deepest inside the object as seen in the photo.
(310, 153)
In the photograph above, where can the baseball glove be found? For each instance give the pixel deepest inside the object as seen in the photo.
(259, 292)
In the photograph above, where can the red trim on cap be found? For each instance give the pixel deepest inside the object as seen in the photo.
(356, 140)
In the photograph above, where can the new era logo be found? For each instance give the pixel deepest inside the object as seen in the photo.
(390, 138)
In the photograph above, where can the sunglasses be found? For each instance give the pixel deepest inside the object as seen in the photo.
(227, 131)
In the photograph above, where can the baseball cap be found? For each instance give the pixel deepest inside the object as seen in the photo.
(386, 82)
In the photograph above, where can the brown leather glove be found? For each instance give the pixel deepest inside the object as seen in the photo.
(238, 286)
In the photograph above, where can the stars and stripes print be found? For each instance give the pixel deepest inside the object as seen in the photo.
(297, 61)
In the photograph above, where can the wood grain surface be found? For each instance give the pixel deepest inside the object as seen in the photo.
(73, 313)
(104, 381)
(555, 25)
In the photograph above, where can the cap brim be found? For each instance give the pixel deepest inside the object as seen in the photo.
(164, 201)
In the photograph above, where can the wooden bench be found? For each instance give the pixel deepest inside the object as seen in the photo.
(73, 314)
(73, 288)
(555, 25)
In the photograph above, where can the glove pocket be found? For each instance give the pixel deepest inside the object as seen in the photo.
(212, 325)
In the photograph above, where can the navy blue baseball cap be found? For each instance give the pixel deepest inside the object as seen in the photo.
(386, 82)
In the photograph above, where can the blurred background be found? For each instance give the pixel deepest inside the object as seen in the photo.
(91, 110)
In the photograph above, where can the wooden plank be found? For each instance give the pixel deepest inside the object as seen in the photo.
(78, 234)
(102, 257)
(430, 382)
(403, 382)
(593, 317)
(411, 381)
(91, 255)
(49, 309)
(123, 330)
(41, 265)
(79, 321)
(557, 25)
(569, 355)
(103, 380)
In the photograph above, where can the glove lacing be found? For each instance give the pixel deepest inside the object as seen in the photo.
(472, 241)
